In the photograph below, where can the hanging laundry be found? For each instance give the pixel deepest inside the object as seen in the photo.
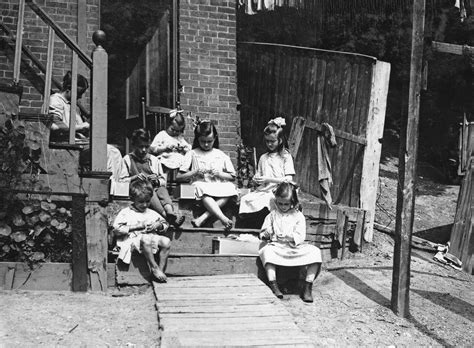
(325, 138)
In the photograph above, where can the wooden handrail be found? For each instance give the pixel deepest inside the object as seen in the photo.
(60, 33)
(29, 54)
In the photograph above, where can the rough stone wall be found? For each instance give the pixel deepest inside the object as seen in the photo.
(208, 65)
(35, 37)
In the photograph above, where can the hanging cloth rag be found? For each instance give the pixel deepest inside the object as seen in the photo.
(325, 138)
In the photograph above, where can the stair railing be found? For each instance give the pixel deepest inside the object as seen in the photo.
(98, 67)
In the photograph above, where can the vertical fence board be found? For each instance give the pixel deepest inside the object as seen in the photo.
(319, 85)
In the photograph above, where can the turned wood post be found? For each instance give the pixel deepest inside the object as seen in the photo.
(99, 104)
(96, 182)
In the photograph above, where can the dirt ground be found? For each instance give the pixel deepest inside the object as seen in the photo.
(352, 297)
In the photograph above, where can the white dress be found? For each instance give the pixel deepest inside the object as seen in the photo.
(170, 159)
(60, 109)
(273, 165)
(287, 246)
(129, 217)
(209, 185)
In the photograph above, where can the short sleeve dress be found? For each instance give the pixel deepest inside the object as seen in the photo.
(172, 159)
(271, 164)
(287, 246)
(129, 217)
(209, 185)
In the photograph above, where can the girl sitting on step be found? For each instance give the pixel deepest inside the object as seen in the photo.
(274, 167)
(285, 229)
(211, 173)
(140, 165)
(138, 228)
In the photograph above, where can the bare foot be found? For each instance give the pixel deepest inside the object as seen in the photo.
(196, 223)
(228, 224)
(158, 274)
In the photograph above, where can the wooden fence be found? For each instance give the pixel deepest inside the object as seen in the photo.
(346, 90)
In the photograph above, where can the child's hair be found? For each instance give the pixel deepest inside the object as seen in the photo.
(287, 189)
(179, 119)
(82, 82)
(140, 134)
(274, 128)
(140, 188)
(204, 128)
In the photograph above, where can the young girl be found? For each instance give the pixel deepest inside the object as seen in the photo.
(274, 167)
(285, 228)
(211, 173)
(137, 228)
(140, 165)
(169, 145)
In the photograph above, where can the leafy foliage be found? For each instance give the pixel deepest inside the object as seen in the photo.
(35, 231)
(32, 230)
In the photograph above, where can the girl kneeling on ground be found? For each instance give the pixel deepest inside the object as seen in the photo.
(285, 229)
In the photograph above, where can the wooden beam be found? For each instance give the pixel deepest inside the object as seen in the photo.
(82, 30)
(99, 106)
(373, 150)
(49, 71)
(339, 133)
(407, 171)
(296, 134)
(19, 40)
(60, 33)
(452, 48)
(80, 280)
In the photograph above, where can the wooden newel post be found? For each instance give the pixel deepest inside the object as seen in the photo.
(96, 182)
(407, 171)
(99, 104)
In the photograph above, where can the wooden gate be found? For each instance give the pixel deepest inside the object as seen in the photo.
(346, 90)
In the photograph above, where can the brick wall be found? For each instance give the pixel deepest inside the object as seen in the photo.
(208, 65)
(35, 37)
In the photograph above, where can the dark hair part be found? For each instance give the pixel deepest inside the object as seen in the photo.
(140, 134)
(140, 188)
(82, 82)
(204, 128)
(273, 128)
(287, 189)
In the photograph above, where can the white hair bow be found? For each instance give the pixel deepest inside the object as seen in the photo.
(279, 121)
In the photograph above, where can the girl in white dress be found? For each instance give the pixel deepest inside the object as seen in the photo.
(285, 228)
(211, 172)
(169, 145)
(274, 167)
(138, 228)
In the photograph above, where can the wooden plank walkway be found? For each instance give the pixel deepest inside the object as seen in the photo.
(224, 310)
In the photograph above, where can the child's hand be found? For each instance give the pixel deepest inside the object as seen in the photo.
(260, 180)
(214, 172)
(154, 227)
(265, 235)
(154, 179)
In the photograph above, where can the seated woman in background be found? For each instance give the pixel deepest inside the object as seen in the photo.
(60, 110)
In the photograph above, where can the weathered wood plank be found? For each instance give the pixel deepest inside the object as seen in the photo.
(407, 171)
(452, 48)
(80, 278)
(97, 244)
(296, 134)
(374, 132)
